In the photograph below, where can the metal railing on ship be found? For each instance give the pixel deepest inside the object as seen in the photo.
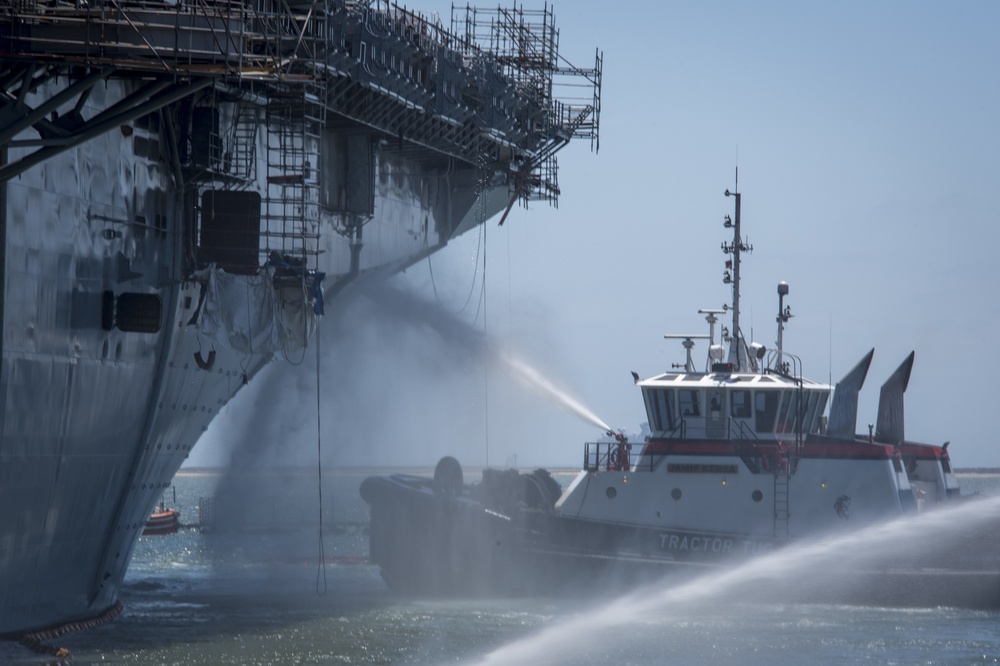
(771, 456)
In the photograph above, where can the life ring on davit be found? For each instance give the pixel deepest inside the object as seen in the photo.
(448, 479)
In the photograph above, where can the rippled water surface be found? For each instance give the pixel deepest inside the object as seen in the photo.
(258, 595)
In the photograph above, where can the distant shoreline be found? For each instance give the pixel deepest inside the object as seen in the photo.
(353, 471)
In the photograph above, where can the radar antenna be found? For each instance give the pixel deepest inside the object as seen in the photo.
(715, 352)
(688, 344)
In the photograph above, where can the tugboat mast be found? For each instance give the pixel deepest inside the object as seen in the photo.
(736, 357)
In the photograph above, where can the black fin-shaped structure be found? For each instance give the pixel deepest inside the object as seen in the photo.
(889, 427)
(844, 408)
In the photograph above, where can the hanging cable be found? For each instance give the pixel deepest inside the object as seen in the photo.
(472, 286)
(486, 364)
(321, 563)
(510, 314)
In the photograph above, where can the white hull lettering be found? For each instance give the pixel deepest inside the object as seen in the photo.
(698, 543)
(717, 545)
(757, 547)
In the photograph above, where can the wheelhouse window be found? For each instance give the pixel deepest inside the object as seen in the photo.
(821, 409)
(740, 407)
(812, 399)
(716, 402)
(660, 408)
(689, 403)
(784, 413)
(765, 410)
(814, 409)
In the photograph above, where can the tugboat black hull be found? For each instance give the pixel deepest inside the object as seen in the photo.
(431, 543)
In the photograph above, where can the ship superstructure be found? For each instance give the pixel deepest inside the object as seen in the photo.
(182, 187)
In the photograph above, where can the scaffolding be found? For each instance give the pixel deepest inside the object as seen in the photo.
(520, 47)
(251, 88)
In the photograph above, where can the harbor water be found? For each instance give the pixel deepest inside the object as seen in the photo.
(248, 580)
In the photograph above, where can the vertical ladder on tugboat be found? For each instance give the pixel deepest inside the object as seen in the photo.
(781, 477)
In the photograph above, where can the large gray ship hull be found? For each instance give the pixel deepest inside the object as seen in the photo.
(174, 219)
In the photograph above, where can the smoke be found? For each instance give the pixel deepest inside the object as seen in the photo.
(399, 383)
(390, 380)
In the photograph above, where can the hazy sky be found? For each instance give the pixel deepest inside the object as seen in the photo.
(867, 137)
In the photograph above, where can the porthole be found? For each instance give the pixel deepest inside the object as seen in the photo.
(676, 493)
(757, 496)
(611, 492)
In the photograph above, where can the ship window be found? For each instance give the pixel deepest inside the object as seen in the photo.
(689, 403)
(144, 147)
(820, 408)
(786, 400)
(946, 465)
(815, 404)
(740, 404)
(795, 406)
(653, 409)
(660, 408)
(812, 400)
(766, 408)
(668, 397)
(716, 403)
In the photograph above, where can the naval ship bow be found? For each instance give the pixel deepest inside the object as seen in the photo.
(183, 186)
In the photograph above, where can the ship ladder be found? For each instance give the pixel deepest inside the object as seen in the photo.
(781, 477)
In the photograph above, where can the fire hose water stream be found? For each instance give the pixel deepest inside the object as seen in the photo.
(531, 378)
(814, 571)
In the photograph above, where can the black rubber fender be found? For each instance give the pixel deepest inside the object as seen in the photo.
(448, 478)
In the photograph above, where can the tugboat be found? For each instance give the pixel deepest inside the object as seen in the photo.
(164, 520)
(740, 459)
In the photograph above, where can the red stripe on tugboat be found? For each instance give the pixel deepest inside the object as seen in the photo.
(839, 450)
